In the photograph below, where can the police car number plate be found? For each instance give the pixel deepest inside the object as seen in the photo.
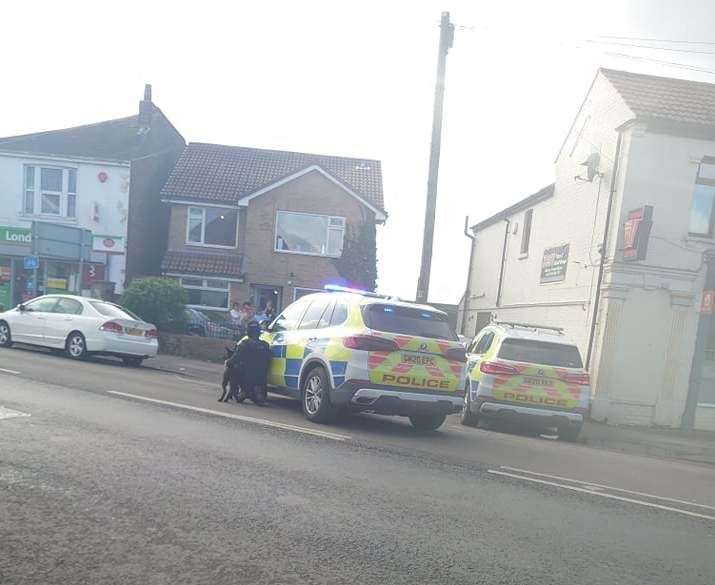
(538, 381)
(417, 360)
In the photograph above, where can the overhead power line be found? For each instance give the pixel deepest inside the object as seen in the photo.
(651, 40)
(661, 62)
(634, 46)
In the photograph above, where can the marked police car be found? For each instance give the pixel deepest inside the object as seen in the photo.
(527, 372)
(351, 350)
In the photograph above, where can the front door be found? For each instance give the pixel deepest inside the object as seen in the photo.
(267, 297)
(29, 327)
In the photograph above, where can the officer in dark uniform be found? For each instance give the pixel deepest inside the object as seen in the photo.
(248, 368)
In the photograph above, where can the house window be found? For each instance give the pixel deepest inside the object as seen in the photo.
(307, 233)
(299, 292)
(206, 292)
(526, 233)
(701, 208)
(212, 226)
(50, 190)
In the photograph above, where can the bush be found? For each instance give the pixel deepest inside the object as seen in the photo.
(159, 301)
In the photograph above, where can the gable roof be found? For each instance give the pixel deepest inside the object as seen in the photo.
(525, 203)
(665, 98)
(118, 139)
(216, 173)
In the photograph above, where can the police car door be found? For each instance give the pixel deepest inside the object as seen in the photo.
(282, 336)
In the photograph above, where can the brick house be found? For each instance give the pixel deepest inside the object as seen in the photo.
(263, 225)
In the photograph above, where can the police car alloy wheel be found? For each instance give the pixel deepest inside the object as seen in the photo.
(5, 339)
(316, 396)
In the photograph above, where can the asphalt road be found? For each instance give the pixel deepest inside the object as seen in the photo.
(123, 475)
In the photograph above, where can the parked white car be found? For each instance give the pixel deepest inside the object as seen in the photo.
(80, 326)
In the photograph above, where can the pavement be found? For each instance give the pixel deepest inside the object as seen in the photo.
(696, 446)
(111, 474)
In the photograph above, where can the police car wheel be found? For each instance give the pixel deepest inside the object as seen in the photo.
(467, 417)
(427, 422)
(315, 396)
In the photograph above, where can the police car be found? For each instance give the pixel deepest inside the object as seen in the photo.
(345, 349)
(527, 372)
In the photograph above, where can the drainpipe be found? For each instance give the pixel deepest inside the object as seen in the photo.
(467, 292)
(604, 242)
(503, 260)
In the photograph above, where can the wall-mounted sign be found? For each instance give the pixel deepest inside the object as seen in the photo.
(31, 262)
(57, 283)
(91, 273)
(636, 232)
(707, 307)
(554, 264)
(15, 235)
(61, 241)
(112, 244)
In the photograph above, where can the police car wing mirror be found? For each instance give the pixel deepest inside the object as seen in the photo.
(266, 326)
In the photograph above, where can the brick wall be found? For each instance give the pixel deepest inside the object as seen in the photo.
(194, 347)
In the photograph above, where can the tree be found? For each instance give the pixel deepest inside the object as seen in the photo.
(358, 262)
(157, 300)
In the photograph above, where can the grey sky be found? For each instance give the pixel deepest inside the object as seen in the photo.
(349, 79)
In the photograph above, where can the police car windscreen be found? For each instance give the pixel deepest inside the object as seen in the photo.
(408, 321)
(541, 352)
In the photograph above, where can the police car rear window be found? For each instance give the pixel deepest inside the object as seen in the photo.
(408, 321)
(541, 352)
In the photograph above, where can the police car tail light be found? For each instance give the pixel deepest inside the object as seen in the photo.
(112, 326)
(497, 368)
(579, 378)
(456, 354)
(369, 343)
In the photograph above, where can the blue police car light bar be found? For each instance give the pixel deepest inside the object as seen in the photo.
(338, 288)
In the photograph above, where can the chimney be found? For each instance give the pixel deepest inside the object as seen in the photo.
(146, 108)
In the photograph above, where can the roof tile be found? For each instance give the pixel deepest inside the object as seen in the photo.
(225, 174)
(202, 263)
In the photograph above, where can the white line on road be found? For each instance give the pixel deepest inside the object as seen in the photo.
(13, 372)
(601, 494)
(594, 486)
(215, 385)
(248, 419)
(9, 413)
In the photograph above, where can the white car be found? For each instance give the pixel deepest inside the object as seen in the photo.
(80, 326)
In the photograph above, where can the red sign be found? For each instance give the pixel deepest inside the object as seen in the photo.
(91, 273)
(109, 243)
(636, 232)
(707, 307)
(102, 176)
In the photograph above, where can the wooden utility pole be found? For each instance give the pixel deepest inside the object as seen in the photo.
(446, 38)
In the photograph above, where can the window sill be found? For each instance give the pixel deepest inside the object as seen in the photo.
(699, 239)
(45, 217)
(306, 254)
(207, 308)
(214, 246)
(523, 255)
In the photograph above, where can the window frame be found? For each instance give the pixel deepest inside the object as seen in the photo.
(36, 192)
(204, 287)
(310, 292)
(203, 243)
(328, 229)
(707, 183)
(526, 233)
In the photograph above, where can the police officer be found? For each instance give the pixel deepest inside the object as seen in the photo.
(249, 367)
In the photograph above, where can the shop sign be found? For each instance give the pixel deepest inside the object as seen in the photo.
(57, 283)
(91, 273)
(5, 280)
(554, 264)
(636, 233)
(111, 244)
(15, 235)
(707, 307)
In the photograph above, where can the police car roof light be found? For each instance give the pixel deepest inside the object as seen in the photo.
(338, 288)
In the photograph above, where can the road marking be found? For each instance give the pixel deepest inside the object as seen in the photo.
(248, 419)
(601, 494)
(9, 413)
(598, 486)
(13, 372)
(215, 385)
